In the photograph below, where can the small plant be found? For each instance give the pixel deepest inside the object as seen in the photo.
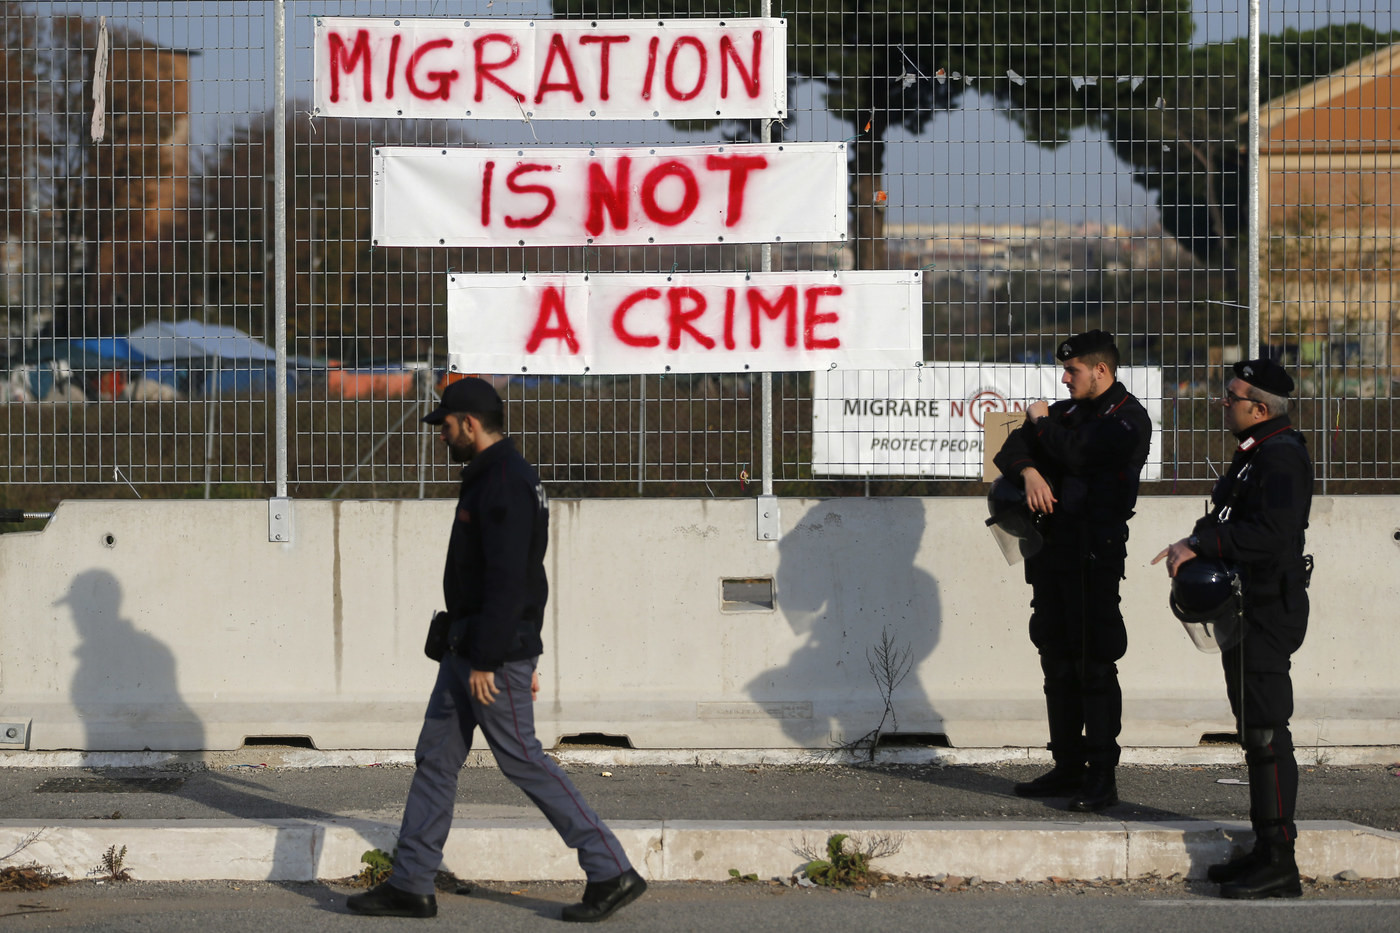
(889, 664)
(113, 865)
(735, 875)
(378, 866)
(847, 860)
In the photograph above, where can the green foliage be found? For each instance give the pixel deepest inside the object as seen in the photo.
(113, 865)
(378, 866)
(735, 875)
(844, 865)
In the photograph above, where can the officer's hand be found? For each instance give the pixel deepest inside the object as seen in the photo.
(1176, 555)
(1038, 410)
(535, 686)
(1039, 496)
(483, 686)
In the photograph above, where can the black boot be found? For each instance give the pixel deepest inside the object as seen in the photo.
(603, 898)
(1100, 791)
(1240, 865)
(1060, 781)
(1277, 876)
(385, 900)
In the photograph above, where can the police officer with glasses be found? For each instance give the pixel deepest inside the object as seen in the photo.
(1255, 527)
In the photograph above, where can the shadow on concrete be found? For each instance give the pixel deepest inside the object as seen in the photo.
(126, 676)
(825, 694)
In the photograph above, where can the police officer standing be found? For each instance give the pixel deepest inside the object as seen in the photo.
(495, 589)
(1079, 461)
(1259, 510)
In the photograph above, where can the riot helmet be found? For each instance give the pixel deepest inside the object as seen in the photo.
(1014, 525)
(1205, 597)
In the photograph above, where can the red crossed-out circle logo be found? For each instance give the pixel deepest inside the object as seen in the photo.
(983, 401)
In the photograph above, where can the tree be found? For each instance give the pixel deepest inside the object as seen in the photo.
(898, 62)
(346, 298)
(1184, 140)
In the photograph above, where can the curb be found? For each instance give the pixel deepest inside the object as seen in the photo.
(677, 850)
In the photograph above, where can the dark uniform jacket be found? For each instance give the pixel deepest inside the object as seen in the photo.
(1092, 454)
(1259, 512)
(494, 584)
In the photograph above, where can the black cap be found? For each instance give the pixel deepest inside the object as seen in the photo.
(468, 395)
(1265, 374)
(1080, 344)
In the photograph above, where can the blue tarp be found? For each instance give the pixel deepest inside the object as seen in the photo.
(163, 340)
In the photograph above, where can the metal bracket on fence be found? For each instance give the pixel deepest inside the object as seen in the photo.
(769, 519)
(279, 521)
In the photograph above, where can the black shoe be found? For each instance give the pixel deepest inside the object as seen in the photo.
(1059, 781)
(601, 899)
(1239, 866)
(1100, 791)
(1275, 877)
(385, 900)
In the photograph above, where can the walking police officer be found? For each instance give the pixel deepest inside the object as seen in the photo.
(1079, 461)
(1259, 510)
(495, 589)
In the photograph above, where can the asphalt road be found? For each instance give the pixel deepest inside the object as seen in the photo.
(1153, 907)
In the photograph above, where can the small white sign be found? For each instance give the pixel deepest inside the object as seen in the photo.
(573, 323)
(609, 197)
(494, 69)
(928, 421)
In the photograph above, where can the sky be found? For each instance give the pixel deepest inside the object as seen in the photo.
(969, 165)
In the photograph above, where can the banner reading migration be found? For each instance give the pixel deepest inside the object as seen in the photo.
(493, 69)
(761, 193)
(718, 322)
(928, 421)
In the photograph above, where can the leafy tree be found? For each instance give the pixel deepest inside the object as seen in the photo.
(346, 299)
(1185, 143)
(897, 63)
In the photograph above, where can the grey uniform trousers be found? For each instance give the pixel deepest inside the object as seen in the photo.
(509, 727)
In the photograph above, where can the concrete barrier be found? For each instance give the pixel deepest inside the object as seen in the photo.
(177, 625)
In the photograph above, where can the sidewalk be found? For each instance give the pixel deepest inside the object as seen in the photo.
(288, 814)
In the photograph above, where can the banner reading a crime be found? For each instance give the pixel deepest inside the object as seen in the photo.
(761, 193)
(718, 322)
(928, 421)
(492, 69)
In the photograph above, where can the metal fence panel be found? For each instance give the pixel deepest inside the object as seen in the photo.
(1050, 166)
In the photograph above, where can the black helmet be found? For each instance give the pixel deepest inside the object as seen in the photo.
(1205, 598)
(1013, 524)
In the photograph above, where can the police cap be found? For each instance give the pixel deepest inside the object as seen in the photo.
(1080, 344)
(1265, 374)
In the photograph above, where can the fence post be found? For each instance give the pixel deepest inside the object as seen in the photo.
(279, 527)
(766, 517)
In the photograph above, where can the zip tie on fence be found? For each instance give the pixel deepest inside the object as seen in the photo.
(526, 117)
(117, 474)
(311, 120)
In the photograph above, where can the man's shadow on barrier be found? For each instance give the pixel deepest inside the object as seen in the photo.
(855, 594)
(125, 675)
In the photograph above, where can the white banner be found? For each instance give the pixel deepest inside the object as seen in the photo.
(928, 421)
(609, 197)
(573, 323)
(492, 69)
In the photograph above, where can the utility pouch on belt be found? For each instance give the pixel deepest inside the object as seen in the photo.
(436, 645)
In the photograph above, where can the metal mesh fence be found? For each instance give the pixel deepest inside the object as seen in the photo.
(1049, 166)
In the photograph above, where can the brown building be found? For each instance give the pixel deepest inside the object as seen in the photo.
(1329, 180)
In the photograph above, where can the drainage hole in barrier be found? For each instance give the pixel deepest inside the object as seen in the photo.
(1220, 738)
(285, 741)
(594, 740)
(914, 740)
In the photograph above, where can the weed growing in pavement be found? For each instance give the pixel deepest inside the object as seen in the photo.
(847, 860)
(113, 865)
(378, 866)
(735, 875)
(889, 665)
